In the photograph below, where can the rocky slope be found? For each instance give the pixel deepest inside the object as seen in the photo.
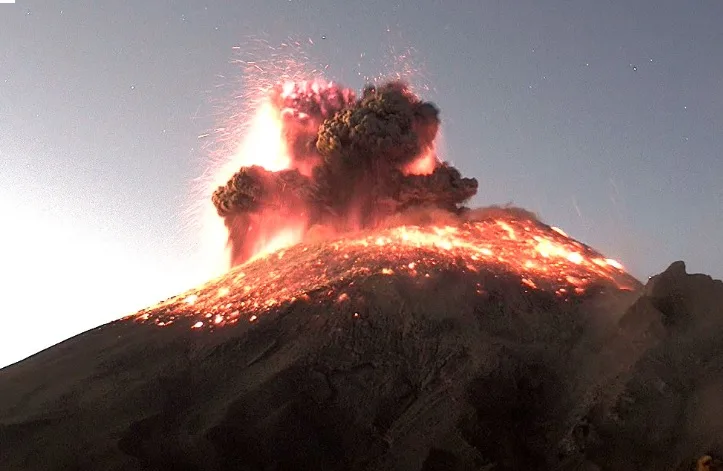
(444, 375)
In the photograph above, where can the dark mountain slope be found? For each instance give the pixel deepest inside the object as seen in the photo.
(465, 369)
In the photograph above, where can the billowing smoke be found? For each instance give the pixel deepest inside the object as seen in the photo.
(353, 163)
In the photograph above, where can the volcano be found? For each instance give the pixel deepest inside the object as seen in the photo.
(491, 343)
(369, 320)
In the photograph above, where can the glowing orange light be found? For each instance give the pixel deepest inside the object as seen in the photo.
(559, 231)
(537, 256)
(262, 144)
(424, 165)
(529, 283)
(614, 263)
(575, 257)
(288, 236)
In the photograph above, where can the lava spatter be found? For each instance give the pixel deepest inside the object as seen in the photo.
(538, 256)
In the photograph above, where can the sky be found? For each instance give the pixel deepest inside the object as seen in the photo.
(605, 118)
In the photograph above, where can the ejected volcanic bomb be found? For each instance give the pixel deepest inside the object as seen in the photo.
(352, 163)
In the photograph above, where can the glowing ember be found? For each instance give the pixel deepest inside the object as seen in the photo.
(538, 256)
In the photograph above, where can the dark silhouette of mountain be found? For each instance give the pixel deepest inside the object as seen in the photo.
(465, 369)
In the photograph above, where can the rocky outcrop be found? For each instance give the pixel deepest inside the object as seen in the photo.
(668, 408)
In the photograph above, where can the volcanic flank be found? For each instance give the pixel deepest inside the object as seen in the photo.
(374, 354)
(398, 330)
(505, 242)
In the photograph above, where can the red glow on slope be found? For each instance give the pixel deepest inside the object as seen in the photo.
(537, 256)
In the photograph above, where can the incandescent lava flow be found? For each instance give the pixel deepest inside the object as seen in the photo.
(499, 243)
(356, 182)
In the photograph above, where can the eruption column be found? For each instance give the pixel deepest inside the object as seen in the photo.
(349, 164)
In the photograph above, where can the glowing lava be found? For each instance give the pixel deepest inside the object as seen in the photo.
(273, 137)
(314, 156)
(537, 256)
(263, 145)
(424, 165)
(290, 235)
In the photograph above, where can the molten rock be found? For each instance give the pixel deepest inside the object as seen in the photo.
(494, 343)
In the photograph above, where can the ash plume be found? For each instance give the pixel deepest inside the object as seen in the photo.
(354, 162)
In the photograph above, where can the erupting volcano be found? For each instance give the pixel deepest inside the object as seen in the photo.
(353, 168)
(348, 164)
(359, 183)
(370, 321)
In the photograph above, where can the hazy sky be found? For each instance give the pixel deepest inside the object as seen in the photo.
(603, 117)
